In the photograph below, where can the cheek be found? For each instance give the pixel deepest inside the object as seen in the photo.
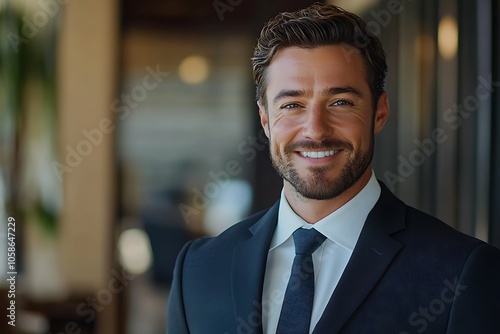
(356, 133)
(283, 131)
(361, 138)
(284, 124)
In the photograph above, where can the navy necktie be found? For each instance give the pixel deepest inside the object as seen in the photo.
(295, 316)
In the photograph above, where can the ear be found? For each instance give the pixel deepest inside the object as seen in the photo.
(264, 119)
(381, 113)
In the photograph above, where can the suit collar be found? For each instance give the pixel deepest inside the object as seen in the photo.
(248, 269)
(389, 212)
(371, 257)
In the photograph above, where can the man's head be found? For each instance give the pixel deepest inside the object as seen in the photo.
(319, 25)
(320, 77)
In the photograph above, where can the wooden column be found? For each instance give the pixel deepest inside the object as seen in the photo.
(87, 80)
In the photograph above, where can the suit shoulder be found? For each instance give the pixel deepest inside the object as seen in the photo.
(425, 226)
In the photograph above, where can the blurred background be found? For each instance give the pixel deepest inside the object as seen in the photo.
(129, 127)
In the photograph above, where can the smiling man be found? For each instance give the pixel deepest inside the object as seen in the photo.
(321, 117)
(337, 253)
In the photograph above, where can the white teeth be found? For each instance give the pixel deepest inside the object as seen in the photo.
(318, 155)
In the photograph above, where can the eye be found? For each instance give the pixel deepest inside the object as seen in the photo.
(342, 103)
(290, 106)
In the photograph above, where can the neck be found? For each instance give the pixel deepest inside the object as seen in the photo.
(312, 210)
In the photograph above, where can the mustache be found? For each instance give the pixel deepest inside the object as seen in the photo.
(326, 144)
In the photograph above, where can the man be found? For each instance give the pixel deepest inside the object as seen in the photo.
(338, 253)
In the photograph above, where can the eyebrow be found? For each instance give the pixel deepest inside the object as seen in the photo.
(340, 90)
(328, 91)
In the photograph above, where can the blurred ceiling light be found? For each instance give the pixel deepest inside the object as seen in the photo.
(134, 251)
(448, 37)
(194, 69)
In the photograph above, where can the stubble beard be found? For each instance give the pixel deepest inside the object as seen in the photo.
(318, 185)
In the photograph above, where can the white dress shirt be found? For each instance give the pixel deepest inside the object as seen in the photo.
(341, 228)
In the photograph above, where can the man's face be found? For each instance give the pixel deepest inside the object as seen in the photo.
(320, 119)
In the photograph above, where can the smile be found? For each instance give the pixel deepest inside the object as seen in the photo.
(318, 155)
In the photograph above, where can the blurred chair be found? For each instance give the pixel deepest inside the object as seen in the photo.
(163, 223)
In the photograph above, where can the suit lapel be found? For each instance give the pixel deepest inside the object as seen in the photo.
(371, 257)
(248, 269)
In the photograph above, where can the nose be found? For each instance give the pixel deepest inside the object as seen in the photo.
(315, 125)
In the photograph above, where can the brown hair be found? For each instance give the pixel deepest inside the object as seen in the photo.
(319, 25)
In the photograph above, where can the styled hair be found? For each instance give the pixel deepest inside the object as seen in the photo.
(319, 25)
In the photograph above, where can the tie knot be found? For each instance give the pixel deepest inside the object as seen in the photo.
(307, 240)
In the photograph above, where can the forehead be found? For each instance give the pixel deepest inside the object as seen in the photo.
(317, 68)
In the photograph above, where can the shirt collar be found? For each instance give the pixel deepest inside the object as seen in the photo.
(343, 226)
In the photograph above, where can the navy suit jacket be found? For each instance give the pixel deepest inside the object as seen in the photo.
(408, 273)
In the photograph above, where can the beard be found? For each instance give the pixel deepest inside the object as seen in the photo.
(318, 185)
